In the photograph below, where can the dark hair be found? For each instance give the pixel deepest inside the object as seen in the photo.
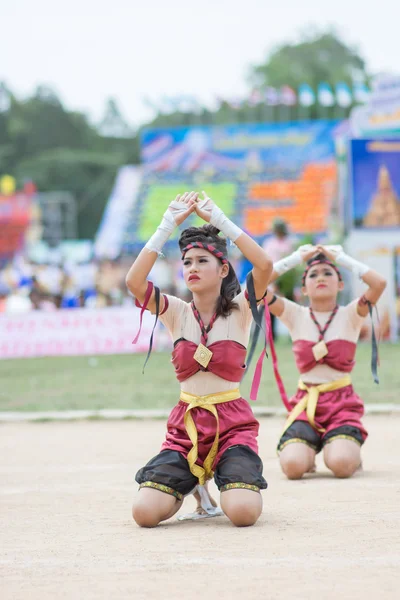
(230, 286)
(319, 257)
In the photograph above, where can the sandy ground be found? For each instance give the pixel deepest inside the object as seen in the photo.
(66, 530)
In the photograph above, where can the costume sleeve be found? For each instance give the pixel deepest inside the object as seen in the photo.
(291, 313)
(173, 313)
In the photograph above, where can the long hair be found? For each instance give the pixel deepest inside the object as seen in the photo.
(230, 286)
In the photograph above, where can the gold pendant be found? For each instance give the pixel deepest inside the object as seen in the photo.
(319, 350)
(202, 355)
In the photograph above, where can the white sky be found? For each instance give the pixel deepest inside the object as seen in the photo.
(88, 50)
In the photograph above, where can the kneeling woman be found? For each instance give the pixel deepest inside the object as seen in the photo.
(326, 412)
(212, 430)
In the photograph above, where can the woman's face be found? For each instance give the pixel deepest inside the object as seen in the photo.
(322, 282)
(202, 271)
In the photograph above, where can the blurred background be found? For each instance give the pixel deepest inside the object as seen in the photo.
(288, 114)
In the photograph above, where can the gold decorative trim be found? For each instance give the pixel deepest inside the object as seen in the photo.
(239, 486)
(294, 441)
(341, 436)
(161, 488)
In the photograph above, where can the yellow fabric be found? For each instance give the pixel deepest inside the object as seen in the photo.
(310, 400)
(208, 403)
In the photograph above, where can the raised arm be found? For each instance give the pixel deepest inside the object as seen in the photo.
(375, 282)
(262, 264)
(136, 279)
(302, 254)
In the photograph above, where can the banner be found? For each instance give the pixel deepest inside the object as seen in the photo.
(375, 183)
(288, 96)
(271, 96)
(75, 332)
(397, 288)
(228, 148)
(325, 94)
(306, 95)
(15, 216)
(343, 95)
(379, 258)
(255, 172)
(377, 249)
(381, 114)
(361, 92)
(109, 237)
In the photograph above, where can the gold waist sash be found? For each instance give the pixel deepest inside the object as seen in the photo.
(310, 400)
(208, 403)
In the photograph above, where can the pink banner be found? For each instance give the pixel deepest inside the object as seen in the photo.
(74, 333)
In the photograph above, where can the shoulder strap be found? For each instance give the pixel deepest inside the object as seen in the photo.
(149, 291)
(258, 314)
(258, 320)
(374, 354)
(143, 307)
(157, 300)
(254, 339)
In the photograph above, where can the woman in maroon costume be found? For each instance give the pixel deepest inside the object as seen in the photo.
(326, 412)
(212, 430)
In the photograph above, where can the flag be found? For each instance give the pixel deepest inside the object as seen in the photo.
(306, 95)
(255, 97)
(271, 96)
(343, 95)
(325, 94)
(235, 103)
(361, 92)
(288, 96)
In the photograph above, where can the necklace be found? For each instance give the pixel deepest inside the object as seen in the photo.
(203, 355)
(320, 349)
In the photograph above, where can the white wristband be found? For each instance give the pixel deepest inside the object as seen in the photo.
(163, 232)
(355, 266)
(221, 222)
(287, 263)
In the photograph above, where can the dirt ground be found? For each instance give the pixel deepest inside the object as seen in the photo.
(66, 529)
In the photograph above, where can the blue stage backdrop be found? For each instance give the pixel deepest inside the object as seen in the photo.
(375, 183)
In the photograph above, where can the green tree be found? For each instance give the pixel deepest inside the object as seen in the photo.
(113, 124)
(60, 150)
(316, 58)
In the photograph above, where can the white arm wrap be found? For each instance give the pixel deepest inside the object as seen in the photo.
(287, 263)
(163, 232)
(221, 221)
(355, 266)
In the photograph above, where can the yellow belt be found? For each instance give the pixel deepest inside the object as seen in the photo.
(206, 402)
(310, 400)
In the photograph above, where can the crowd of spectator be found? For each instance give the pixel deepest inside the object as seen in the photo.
(26, 285)
(49, 286)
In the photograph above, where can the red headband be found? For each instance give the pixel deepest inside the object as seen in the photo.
(220, 255)
(317, 262)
